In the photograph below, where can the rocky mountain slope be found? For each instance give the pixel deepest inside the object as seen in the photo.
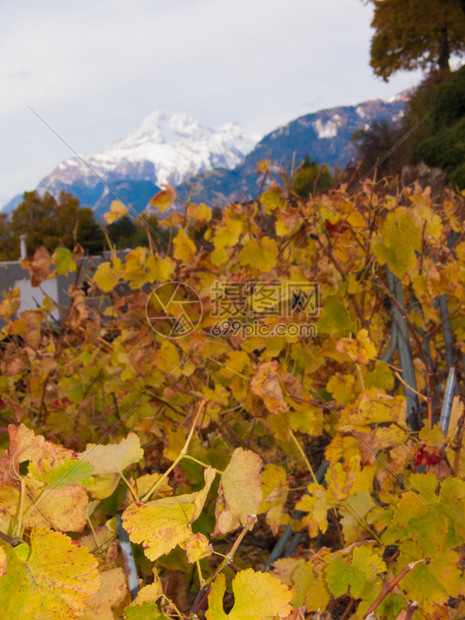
(324, 136)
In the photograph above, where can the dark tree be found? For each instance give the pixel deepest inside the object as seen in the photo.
(412, 34)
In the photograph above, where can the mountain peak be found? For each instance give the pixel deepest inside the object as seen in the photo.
(161, 128)
(163, 149)
(175, 149)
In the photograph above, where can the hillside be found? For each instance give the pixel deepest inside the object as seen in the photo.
(324, 136)
(220, 164)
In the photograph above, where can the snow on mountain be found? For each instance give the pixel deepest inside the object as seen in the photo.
(221, 163)
(324, 136)
(163, 149)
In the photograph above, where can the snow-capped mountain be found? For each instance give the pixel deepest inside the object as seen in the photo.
(219, 165)
(163, 149)
(324, 136)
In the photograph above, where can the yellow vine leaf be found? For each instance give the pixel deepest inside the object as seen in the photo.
(28, 326)
(339, 482)
(354, 511)
(148, 594)
(259, 254)
(113, 458)
(117, 210)
(316, 504)
(159, 269)
(360, 350)
(228, 235)
(309, 584)
(432, 584)
(197, 547)
(218, 257)
(397, 242)
(108, 275)
(62, 509)
(265, 383)
(144, 606)
(3, 562)
(240, 491)
(200, 213)
(184, 248)
(163, 199)
(109, 600)
(55, 582)
(257, 596)
(334, 317)
(382, 376)
(146, 611)
(162, 524)
(342, 388)
(63, 260)
(10, 303)
(275, 490)
(145, 482)
(135, 274)
(102, 485)
(374, 407)
(273, 199)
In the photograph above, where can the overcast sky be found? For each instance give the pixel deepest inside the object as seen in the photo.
(95, 68)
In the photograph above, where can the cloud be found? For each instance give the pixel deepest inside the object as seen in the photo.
(94, 69)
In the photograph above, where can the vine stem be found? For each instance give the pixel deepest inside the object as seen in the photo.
(411, 609)
(94, 535)
(409, 387)
(359, 371)
(19, 525)
(191, 458)
(11, 540)
(180, 456)
(251, 520)
(390, 586)
(199, 571)
(304, 456)
(131, 490)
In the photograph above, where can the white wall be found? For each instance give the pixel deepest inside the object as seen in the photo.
(30, 294)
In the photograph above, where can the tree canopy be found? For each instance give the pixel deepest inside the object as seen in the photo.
(416, 34)
(311, 177)
(50, 222)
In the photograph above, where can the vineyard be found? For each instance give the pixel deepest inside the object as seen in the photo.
(259, 418)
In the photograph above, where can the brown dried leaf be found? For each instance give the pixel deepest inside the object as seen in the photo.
(38, 265)
(163, 199)
(265, 383)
